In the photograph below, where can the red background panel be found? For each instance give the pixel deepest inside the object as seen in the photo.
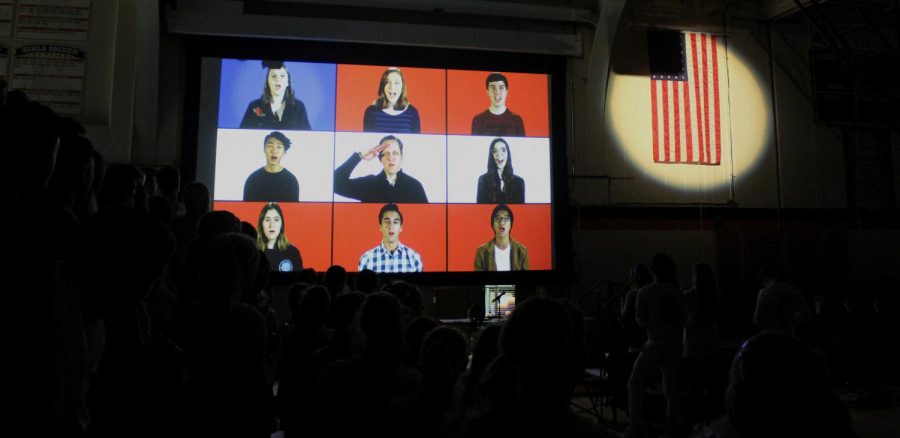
(467, 96)
(307, 226)
(356, 231)
(357, 87)
(470, 227)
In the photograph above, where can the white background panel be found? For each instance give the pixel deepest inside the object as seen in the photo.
(240, 152)
(424, 158)
(467, 159)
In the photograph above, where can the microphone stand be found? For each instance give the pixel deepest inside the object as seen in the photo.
(496, 302)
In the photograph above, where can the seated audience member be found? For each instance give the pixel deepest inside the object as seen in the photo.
(69, 190)
(342, 319)
(701, 336)
(277, 108)
(196, 205)
(416, 330)
(309, 276)
(635, 336)
(780, 307)
(33, 136)
(299, 345)
(271, 239)
(391, 255)
(392, 184)
(226, 344)
(660, 309)
(443, 359)
(498, 120)
(355, 394)
(210, 226)
(126, 387)
(527, 389)
(73, 174)
(501, 253)
(391, 112)
(367, 281)
(120, 188)
(485, 350)
(169, 185)
(336, 280)
(48, 359)
(410, 298)
(249, 230)
(780, 388)
(151, 181)
(500, 184)
(273, 182)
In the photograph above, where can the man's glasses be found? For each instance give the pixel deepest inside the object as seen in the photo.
(502, 219)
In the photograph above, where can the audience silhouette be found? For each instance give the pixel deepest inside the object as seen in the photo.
(148, 317)
(659, 308)
(527, 389)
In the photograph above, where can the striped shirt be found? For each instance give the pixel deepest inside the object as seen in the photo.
(376, 120)
(402, 259)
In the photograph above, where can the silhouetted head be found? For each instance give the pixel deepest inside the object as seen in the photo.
(663, 268)
(409, 296)
(336, 279)
(313, 307)
(309, 276)
(367, 281)
(447, 343)
(382, 325)
(640, 275)
(216, 223)
(248, 230)
(122, 254)
(31, 137)
(196, 198)
(228, 270)
(344, 309)
(416, 331)
(544, 338)
(780, 387)
(120, 186)
(151, 181)
(73, 175)
(769, 274)
(169, 181)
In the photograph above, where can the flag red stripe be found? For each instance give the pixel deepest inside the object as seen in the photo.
(705, 100)
(654, 117)
(697, 107)
(687, 123)
(676, 114)
(716, 108)
(665, 111)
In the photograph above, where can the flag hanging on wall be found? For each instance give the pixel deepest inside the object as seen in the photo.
(685, 97)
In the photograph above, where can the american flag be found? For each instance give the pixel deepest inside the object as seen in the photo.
(686, 97)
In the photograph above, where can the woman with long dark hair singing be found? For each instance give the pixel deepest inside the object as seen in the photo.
(500, 185)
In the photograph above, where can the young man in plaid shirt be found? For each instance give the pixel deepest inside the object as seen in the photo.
(391, 256)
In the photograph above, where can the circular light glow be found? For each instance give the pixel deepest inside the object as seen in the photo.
(745, 130)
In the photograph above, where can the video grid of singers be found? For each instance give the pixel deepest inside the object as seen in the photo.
(394, 169)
